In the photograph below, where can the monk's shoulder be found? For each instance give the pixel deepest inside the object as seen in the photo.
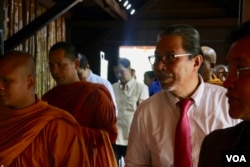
(54, 113)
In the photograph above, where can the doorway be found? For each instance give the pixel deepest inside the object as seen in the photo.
(138, 56)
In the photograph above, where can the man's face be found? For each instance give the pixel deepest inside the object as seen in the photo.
(14, 85)
(83, 73)
(238, 85)
(147, 80)
(173, 76)
(62, 69)
(122, 74)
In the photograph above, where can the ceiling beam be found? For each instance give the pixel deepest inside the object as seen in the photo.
(51, 14)
(211, 22)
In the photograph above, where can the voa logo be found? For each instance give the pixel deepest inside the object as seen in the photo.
(236, 158)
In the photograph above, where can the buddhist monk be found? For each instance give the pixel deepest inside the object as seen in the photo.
(206, 69)
(33, 133)
(91, 104)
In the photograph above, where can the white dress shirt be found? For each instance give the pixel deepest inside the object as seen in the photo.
(97, 79)
(127, 100)
(152, 134)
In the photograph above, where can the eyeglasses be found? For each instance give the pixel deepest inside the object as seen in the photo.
(239, 72)
(167, 59)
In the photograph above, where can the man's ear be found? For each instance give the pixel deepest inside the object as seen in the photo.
(77, 63)
(198, 59)
(30, 81)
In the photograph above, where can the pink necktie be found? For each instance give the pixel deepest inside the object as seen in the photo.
(182, 152)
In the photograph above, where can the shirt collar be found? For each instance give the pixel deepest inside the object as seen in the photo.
(128, 85)
(196, 96)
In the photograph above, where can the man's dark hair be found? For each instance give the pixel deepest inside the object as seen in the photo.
(123, 61)
(190, 36)
(83, 60)
(242, 31)
(151, 74)
(70, 50)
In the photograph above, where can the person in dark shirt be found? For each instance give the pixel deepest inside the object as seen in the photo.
(152, 83)
(234, 140)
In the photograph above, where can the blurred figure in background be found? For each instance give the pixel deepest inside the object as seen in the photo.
(133, 73)
(129, 93)
(85, 73)
(207, 67)
(221, 71)
(152, 83)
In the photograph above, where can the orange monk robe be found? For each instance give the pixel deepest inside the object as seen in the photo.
(215, 80)
(39, 136)
(92, 106)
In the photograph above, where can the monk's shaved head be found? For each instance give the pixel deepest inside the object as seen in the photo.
(17, 80)
(19, 60)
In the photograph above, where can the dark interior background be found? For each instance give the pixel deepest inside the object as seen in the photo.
(94, 25)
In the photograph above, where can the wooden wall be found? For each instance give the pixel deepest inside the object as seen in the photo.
(19, 13)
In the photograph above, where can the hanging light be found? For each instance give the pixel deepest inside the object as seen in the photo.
(132, 11)
(128, 7)
(125, 3)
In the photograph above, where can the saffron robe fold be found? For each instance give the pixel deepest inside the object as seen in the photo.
(92, 106)
(215, 80)
(40, 135)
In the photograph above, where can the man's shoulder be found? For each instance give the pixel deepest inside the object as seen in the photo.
(116, 84)
(96, 77)
(154, 101)
(53, 111)
(226, 133)
(99, 79)
(77, 88)
(141, 85)
(84, 85)
(79, 97)
(214, 87)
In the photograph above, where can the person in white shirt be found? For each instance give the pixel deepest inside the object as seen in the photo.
(129, 93)
(176, 63)
(84, 73)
